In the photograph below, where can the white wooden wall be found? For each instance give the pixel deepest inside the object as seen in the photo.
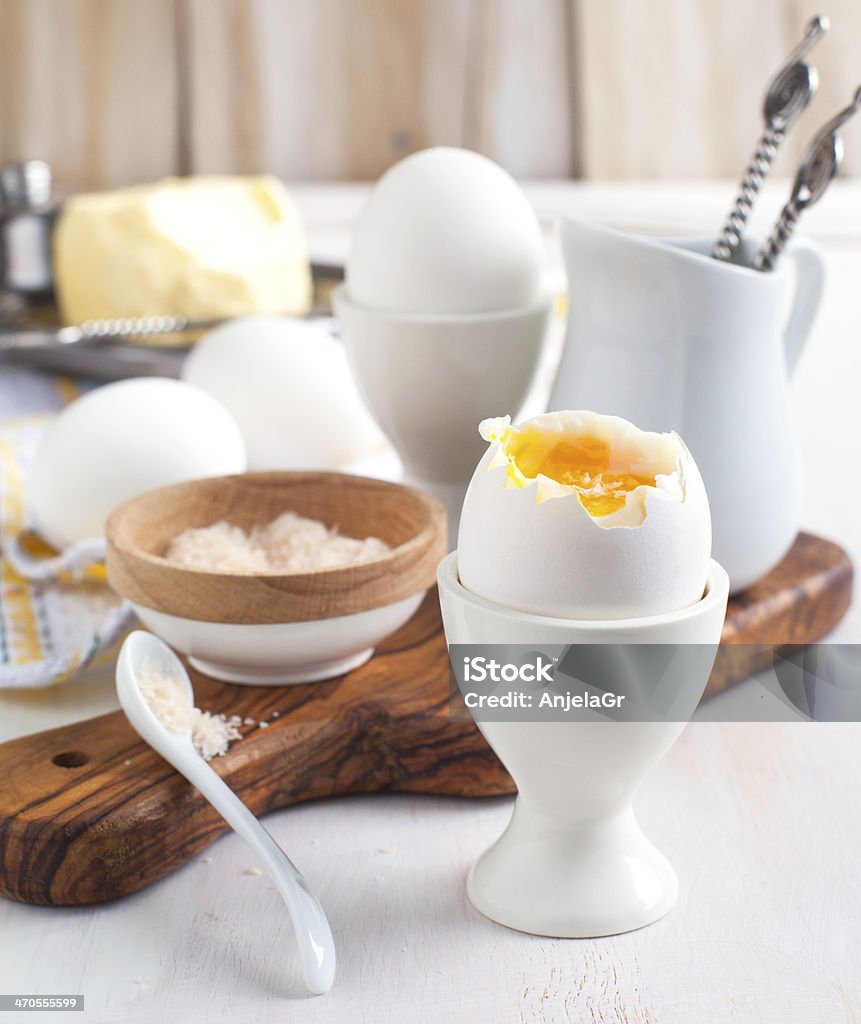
(115, 91)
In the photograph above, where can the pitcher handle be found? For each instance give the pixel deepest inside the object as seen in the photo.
(809, 287)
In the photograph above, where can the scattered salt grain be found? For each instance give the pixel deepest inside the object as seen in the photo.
(252, 871)
(263, 725)
(290, 543)
(127, 761)
(169, 701)
(248, 721)
(275, 714)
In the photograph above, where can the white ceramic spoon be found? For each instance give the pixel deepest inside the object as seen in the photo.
(313, 935)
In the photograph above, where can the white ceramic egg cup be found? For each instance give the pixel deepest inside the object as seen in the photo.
(429, 380)
(573, 861)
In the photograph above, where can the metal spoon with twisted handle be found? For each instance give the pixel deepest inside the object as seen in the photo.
(821, 162)
(116, 329)
(789, 92)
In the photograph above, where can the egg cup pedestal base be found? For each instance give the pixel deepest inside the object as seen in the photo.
(573, 862)
(280, 677)
(572, 880)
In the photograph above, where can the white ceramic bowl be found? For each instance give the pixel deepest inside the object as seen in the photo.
(276, 653)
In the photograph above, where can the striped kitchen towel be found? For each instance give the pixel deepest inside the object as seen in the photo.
(50, 629)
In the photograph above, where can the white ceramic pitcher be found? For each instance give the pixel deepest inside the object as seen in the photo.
(671, 339)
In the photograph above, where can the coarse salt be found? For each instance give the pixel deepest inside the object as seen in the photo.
(290, 543)
(211, 734)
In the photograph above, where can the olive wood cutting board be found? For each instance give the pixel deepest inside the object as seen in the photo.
(88, 812)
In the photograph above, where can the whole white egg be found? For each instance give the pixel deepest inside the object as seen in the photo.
(446, 231)
(123, 439)
(288, 386)
(582, 516)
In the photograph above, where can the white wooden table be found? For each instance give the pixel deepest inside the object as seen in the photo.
(762, 821)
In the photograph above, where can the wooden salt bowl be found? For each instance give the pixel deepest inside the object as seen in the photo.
(411, 523)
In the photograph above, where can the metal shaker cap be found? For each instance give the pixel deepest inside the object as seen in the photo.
(25, 185)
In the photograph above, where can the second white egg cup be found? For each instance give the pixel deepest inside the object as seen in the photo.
(573, 861)
(429, 380)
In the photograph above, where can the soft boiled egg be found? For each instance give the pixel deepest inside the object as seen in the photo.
(583, 516)
(446, 231)
(120, 440)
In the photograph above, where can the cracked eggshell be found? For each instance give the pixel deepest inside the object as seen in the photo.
(533, 546)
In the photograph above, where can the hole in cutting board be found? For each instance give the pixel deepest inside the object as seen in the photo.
(70, 759)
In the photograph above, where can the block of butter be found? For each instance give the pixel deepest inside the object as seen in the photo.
(201, 247)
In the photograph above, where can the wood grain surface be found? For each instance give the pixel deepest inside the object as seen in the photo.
(682, 83)
(409, 521)
(120, 91)
(92, 86)
(800, 600)
(758, 820)
(88, 812)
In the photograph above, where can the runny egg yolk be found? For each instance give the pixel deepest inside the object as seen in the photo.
(584, 464)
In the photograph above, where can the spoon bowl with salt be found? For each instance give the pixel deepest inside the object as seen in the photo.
(165, 719)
